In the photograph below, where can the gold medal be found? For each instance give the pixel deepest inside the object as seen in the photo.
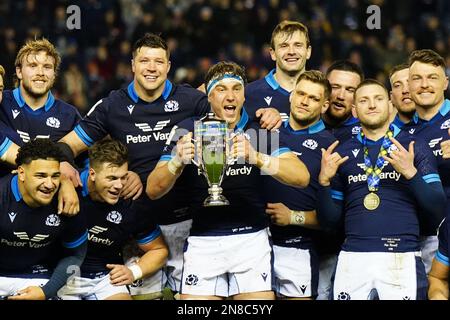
(371, 201)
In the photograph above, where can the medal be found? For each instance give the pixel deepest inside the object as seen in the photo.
(371, 201)
(373, 171)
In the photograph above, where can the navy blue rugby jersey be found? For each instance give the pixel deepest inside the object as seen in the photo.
(110, 226)
(143, 127)
(306, 144)
(434, 132)
(394, 225)
(267, 93)
(399, 123)
(346, 131)
(242, 185)
(31, 239)
(442, 254)
(5, 142)
(53, 121)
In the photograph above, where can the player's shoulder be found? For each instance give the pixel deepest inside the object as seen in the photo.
(186, 90)
(6, 186)
(256, 85)
(117, 95)
(187, 123)
(325, 136)
(405, 137)
(66, 107)
(8, 98)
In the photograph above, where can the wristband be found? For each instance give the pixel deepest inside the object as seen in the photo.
(173, 165)
(136, 271)
(265, 161)
(297, 218)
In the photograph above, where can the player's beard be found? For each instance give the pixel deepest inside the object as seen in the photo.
(408, 114)
(378, 123)
(305, 122)
(36, 95)
(337, 119)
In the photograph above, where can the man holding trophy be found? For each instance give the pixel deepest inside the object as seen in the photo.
(227, 253)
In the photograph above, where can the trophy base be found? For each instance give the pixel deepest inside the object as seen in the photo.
(215, 201)
(215, 198)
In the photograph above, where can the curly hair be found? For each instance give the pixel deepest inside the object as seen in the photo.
(38, 149)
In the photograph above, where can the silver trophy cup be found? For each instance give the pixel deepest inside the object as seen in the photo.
(211, 138)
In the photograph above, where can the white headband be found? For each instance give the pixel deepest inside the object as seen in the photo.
(227, 77)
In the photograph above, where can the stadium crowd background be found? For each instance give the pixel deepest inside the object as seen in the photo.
(96, 58)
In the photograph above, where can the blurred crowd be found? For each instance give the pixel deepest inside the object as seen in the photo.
(96, 58)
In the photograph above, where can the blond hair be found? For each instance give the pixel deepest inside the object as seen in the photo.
(2, 71)
(34, 46)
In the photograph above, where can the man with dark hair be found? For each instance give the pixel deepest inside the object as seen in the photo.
(431, 122)
(384, 187)
(296, 264)
(141, 116)
(235, 235)
(400, 95)
(111, 222)
(39, 249)
(268, 98)
(344, 77)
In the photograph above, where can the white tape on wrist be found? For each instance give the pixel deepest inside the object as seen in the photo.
(265, 161)
(136, 271)
(173, 165)
(297, 218)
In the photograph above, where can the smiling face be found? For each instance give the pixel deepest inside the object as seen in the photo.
(307, 104)
(107, 182)
(39, 181)
(427, 84)
(150, 67)
(343, 86)
(372, 106)
(290, 52)
(227, 99)
(400, 95)
(36, 73)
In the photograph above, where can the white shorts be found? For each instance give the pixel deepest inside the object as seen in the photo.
(327, 266)
(10, 286)
(175, 236)
(149, 285)
(79, 288)
(227, 265)
(295, 272)
(394, 276)
(428, 247)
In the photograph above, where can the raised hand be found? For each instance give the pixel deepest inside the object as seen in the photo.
(330, 164)
(242, 148)
(185, 149)
(402, 160)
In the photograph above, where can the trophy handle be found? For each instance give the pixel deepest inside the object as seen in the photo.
(199, 164)
(196, 163)
(231, 160)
